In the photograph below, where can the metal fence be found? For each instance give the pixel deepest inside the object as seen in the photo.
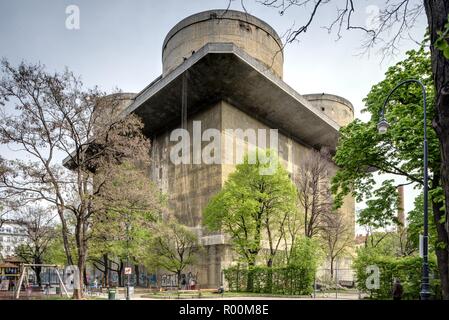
(336, 284)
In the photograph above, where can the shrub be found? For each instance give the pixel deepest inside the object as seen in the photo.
(407, 269)
(293, 280)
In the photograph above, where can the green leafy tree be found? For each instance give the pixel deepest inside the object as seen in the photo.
(394, 243)
(415, 224)
(394, 19)
(307, 252)
(55, 250)
(253, 206)
(123, 229)
(362, 152)
(174, 247)
(307, 255)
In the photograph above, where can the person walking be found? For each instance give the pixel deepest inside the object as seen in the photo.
(398, 290)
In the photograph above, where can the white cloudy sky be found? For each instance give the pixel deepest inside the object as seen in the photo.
(119, 44)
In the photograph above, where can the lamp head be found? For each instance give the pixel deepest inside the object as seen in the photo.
(382, 126)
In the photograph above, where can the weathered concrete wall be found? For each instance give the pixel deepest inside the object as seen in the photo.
(248, 32)
(190, 187)
(337, 108)
(291, 152)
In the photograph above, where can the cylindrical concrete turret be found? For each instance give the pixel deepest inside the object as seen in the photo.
(117, 102)
(110, 106)
(249, 33)
(337, 108)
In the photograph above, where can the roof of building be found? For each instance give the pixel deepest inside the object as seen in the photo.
(13, 222)
(8, 265)
(13, 259)
(223, 71)
(223, 14)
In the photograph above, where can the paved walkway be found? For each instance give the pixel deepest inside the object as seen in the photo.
(330, 296)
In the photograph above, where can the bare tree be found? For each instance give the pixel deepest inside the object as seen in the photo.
(337, 236)
(54, 115)
(276, 228)
(4, 209)
(314, 195)
(292, 228)
(40, 231)
(3, 215)
(386, 29)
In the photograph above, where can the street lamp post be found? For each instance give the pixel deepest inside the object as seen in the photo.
(382, 127)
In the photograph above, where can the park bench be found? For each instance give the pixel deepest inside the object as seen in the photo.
(347, 283)
(93, 290)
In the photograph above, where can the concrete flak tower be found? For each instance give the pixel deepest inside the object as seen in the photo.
(223, 69)
(249, 33)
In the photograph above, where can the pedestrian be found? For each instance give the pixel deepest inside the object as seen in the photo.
(47, 288)
(183, 282)
(397, 289)
(192, 284)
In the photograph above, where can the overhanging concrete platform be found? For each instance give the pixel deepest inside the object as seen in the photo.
(223, 71)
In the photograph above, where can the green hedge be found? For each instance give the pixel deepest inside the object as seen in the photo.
(292, 280)
(407, 269)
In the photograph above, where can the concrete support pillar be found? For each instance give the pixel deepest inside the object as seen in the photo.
(212, 274)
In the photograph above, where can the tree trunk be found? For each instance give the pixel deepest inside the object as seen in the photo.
(37, 271)
(120, 274)
(106, 270)
(82, 256)
(85, 280)
(269, 288)
(332, 267)
(78, 291)
(137, 273)
(65, 237)
(441, 253)
(250, 279)
(178, 273)
(437, 12)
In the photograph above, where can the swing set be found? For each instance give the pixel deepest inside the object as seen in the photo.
(24, 277)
